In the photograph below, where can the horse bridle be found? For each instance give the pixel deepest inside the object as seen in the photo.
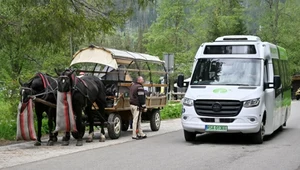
(46, 85)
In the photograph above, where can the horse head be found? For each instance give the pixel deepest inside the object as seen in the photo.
(64, 81)
(25, 92)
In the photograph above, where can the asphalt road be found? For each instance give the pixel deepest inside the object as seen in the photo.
(168, 150)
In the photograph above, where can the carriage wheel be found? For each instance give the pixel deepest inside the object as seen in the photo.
(76, 135)
(155, 120)
(114, 126)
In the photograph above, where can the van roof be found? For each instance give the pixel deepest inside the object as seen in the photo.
(239, 38)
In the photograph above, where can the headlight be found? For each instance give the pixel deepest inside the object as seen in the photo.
(252, 102)
(188, 102)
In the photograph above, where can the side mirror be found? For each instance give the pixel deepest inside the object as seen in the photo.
(277, 81)
(180, 80)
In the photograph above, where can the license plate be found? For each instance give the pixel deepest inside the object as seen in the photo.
(216, 128)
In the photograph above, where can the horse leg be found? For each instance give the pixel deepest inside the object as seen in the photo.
(90, 115)
(77, 108)
(53, 115)
(101, 110)
(52, 136)
(39, 124)
(66, 139)
(102, 134)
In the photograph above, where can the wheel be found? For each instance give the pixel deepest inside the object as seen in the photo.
(114, 126)
(189, 136)
(125, 125)
(297, 97)
(258, 138)
(76, 135)
(155, 120)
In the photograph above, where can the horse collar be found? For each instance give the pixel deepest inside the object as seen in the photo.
(44, 80)
(75, 80)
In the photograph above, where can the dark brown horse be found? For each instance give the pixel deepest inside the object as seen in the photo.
(85, 91)
(42, 86)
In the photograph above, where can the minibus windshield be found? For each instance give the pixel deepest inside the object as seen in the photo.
(227, 71)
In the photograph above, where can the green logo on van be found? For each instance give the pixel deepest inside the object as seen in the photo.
(220, 90)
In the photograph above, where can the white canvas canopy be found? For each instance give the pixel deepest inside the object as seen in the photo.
(110, 57)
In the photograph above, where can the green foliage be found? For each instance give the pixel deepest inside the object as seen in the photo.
(182, 26)
(171, 110)
(7, 120)
(45, 128)
(277, 22)
(8, 129)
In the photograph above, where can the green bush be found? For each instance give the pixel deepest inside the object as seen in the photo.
(171, 110)
(45, 129)
(8, 129)
(7, 120)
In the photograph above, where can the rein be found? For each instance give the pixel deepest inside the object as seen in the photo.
(44, 93)
(47, 86)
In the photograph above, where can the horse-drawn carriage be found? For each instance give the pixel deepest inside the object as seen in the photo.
(117, 69)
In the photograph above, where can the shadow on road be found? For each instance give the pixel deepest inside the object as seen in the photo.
(233, 138)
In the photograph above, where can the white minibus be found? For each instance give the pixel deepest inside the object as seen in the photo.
(239, 84)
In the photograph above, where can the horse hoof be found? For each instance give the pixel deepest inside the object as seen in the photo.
(90, 138)
(65, 143)
(37, 143)
(102, 138)
(79, 143)
(50, 143)
(66, 138)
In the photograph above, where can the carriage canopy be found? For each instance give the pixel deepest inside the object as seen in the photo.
(119, 65)
(110, 57)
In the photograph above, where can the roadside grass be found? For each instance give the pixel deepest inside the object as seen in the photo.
(171, 111)
(7, 120)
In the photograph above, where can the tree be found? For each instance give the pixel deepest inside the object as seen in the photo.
(171, 34)
(278, 23)
(36, 35)
(40, 35)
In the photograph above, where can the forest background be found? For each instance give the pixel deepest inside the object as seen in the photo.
(40, 35)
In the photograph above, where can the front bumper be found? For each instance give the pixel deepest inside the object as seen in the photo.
(247, 121)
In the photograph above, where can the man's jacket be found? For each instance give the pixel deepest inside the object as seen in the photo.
(137, 95)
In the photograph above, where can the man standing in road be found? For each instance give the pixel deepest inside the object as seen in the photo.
(137, 106)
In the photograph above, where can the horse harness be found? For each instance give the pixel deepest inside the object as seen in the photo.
(48, 88)
(75, 88)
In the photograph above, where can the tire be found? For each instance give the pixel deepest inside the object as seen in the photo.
(258, 138)
(155, 120)
(297, 97)
(76, 135)
(114, 126)
(125, 125)
(189, 136)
